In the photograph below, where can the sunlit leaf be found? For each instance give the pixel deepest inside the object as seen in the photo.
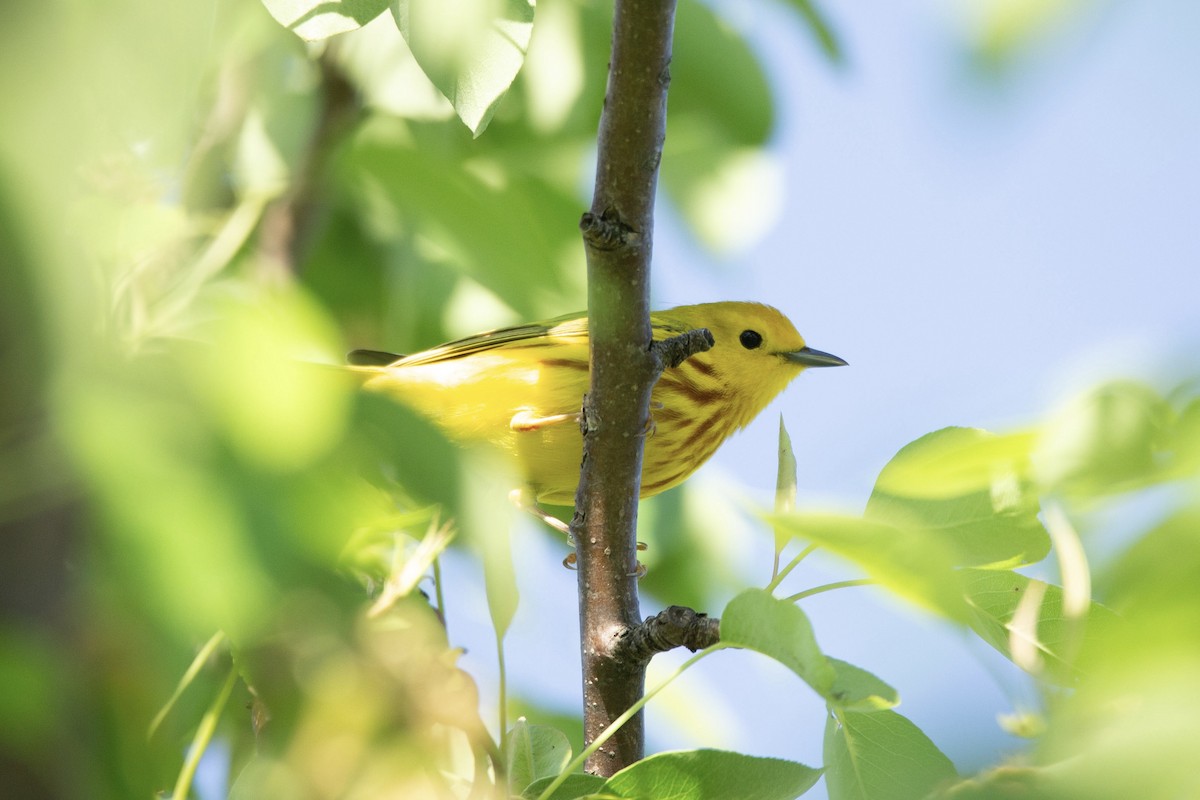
(968, 489)
(952, 462)
(320, 19)
(996, 596)
(880, 756)
(470, 49)
(757, 621)
(911, 562)
(712, 775)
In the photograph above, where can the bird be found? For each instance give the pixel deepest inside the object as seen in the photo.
(521, 389)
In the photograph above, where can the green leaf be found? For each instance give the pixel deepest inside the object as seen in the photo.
(968, 488)
(535, 752)
(912, 563)
(785, 488)
(471, 49)
(712, 775)
(757, 621)
(575, 786)
(319, 19)
(953, 461)
(855, 689)
(1051, 642)
(881, 755)
(820, 28)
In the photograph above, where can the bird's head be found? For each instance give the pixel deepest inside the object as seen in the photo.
(757, 350)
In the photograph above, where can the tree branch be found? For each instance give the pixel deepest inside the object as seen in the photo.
(288, 223)
(617, 234)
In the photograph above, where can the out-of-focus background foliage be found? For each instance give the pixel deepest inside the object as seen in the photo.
(197, 206)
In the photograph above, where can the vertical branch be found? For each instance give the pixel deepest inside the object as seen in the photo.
(287, 224)
(617, 234)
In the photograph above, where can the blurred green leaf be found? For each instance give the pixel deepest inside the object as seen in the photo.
(277, 410)
(506, 231)
(1154, 580)
(534, 752)
(855, 689)
(178, 536)
(31, 672)
(757, 621)
(1002, 32)
(880, 756)
(717, 79)
(1128, 726)
(1186, 437)
(712, 775)
(968, 489)
(689, 533)
(1109, 439)
(1129, 730)
(320, 19)
(470, 49)
(403, 449)
(914, 563)
(720, 117)
(820, 28)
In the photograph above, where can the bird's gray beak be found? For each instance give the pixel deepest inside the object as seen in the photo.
(808, 357)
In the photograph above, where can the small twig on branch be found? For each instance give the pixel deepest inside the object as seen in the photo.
(673, 627)
(674, 351)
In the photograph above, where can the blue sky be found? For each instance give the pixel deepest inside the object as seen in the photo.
(977, 254)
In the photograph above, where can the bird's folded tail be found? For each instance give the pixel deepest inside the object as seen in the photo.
(371, 358)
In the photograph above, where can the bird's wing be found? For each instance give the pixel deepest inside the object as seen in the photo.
(567, 329)
(571, 328)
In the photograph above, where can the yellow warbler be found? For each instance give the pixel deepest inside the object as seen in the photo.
(521, 389)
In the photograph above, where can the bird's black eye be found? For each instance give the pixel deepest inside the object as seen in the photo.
(750, 339)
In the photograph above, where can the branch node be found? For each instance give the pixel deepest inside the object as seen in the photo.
(676, 626)
(589, 420)
(605, 231)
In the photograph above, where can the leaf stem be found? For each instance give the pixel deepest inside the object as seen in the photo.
(604, 736)
(190, 675)
(827, 587)
(204, 734)
(795, 562)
